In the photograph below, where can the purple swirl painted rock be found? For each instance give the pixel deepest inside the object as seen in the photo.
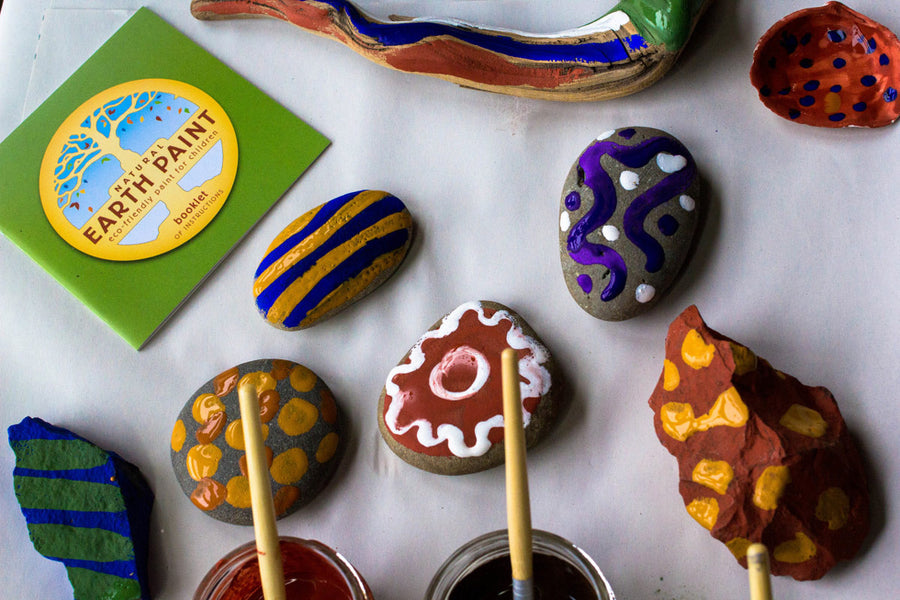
(628, 216)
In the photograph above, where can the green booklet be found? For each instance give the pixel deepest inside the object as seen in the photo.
(142, 171)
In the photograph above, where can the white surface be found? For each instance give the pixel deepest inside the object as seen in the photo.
(798, 260)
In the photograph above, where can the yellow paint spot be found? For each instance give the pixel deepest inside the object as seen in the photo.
(738, 547)
(832, 103)
(744, 359)
(714, 474)
(833, 507)
(804, 421)
(179, 434)
(798, 550)
(297, 416)
(770, 487)
(327, 447)
(234, 434)
(695, 352)
(203, 461)
(671, 378)
(263, 381)
(302, 379)
(705, 511)
(205, 405)
(238, 492)
(289, 466)
(679, 422)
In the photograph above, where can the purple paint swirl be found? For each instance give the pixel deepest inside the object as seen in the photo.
(604, 191)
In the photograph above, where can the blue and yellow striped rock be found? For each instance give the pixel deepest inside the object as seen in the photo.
(330, 257)
(85, 507)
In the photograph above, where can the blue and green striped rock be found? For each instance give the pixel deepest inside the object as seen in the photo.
(85, 507)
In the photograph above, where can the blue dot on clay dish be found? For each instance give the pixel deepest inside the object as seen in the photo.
(836, 117)
(793, 113)
(868, 80)
(806, 63)
(835, 88)
(839, 63)
(890, 94)
(667, 224)
(784, 91)
(627, 133)
(765, 91)
(859, 106)
(805, 39)
(789, 42)
(573, 201)
(837, 35)
(883, 60)
(873, 45)
(807, 101)
(811, 85)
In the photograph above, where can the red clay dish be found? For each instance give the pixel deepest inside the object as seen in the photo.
(829, 66)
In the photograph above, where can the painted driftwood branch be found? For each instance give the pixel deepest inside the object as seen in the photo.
(622, 52)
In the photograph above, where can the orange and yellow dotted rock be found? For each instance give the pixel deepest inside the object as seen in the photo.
(762, 457)
(300, 426)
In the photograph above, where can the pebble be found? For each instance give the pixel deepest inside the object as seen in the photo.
(441, 407)
(628, 217)
(330, 257)
(301, 432)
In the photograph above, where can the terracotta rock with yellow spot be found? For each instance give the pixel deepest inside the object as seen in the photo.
(301, 431)
(761, 457)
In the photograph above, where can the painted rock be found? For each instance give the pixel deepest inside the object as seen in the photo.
(761, 457)
(441, 408)
(85, 507)
(627, 221)
(301, 432)
(829, 66)
(331, 257)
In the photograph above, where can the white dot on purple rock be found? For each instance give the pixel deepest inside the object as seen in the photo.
(644, 293)
(629, 180)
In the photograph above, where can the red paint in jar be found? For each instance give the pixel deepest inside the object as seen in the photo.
(312, 571)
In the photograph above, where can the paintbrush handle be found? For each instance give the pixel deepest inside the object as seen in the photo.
(518, 509)
(270, 565)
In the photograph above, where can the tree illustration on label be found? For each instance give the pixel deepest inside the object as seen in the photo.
(142, 173)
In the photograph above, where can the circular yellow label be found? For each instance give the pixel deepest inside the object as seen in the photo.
(139, 169)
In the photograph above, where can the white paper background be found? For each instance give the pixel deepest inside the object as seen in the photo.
(797, 259)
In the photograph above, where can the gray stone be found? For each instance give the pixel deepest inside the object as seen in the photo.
(301, 433)
(441, 408)
(628, 216)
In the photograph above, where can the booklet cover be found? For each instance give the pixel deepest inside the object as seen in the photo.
(142, 171)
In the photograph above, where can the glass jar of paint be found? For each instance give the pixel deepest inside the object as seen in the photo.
(312, 571)
(480, 570)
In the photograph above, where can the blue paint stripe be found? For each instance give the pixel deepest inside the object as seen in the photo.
(327, 211)
(126, 569)
(117, 522)
(32, 428)
(350, 268)
(99, 474)
(367, 217)
(403, 33)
